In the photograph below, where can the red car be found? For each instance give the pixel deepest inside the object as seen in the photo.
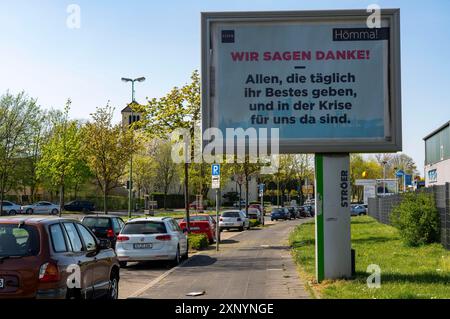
(201, 224)
(198, 206)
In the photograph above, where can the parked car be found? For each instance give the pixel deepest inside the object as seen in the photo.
(201, 224)
(104, 226)
(254, 213)
(80, 206)
(195, 205)
(357, 210)
(152, 238)
(41, 208)
(236, 204)
(279, 213)
(310, 209)
(258, 206)
(230, 219)
(10, 208)
(293, 212)
(303, 212)
(37, 254)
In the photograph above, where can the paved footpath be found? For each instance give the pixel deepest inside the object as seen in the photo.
(255, 264)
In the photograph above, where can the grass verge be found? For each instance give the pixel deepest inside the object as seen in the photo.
(406, 272)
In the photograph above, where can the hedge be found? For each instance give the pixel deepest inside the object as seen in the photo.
(198, 241)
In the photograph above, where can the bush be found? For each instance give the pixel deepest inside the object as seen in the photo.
(417, 219)
(254, 223)
(198, 241)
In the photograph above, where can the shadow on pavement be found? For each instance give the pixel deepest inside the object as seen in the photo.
(148, 265)
(200, 261)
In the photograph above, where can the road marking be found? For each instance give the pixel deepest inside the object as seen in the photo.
(277, 269)
(158, 279)
(152, 283)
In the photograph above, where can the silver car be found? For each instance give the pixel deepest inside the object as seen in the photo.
(10, 208)
(358, 210)
(41, 208)
(234, 219)
(151, 238)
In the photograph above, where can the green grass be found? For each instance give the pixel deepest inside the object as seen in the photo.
(406, 272)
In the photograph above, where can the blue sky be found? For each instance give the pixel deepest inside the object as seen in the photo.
(161, 40)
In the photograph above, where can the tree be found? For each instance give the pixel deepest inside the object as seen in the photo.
(61, 159)
(180, 108)
(165, 168)
(107, 148)
(18, 113)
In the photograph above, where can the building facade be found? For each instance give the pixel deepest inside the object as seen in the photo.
(437, 156)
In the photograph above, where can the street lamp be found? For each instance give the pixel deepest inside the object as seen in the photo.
(130, 186)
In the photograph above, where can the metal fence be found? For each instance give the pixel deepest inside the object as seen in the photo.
(380, 208)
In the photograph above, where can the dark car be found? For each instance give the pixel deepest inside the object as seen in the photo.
(80, 206)
(42, 257)
(293, 212)
(104, 226)
(279, 213)
(310, 210)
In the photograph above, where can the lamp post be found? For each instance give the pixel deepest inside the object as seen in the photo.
(130, 182)
(384, 177)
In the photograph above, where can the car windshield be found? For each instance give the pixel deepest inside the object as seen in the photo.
(99, 222)
(231, 214)
(144, 227)
(277, 210)
(18, 241)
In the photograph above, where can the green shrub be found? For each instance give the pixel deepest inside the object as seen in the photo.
(254, 223)
(417, 219)
(198, 241)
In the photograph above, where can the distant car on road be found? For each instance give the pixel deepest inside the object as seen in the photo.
(279, 213)
(37, 254)
(230, 219)
(41, 208)
(293, 212)
(200, 206)
(236, 204)
(258, 206)
(80, 206)
(201, 224)
(357, 210)
(104, 226)
(254, 213)
(152, 238)
(310, 210)
(10, 208)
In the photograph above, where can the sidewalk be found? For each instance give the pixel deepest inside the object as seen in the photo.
(255, 264)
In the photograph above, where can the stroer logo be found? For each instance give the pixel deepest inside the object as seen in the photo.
(227, 36)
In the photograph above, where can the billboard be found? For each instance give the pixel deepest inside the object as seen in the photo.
(323, 78)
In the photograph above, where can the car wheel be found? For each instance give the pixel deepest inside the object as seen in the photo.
(248, 228)
(241, 228)
(176, 261)
(29, 211)
(12, 212)
(123, 264)
(54, 212)
(113, 292)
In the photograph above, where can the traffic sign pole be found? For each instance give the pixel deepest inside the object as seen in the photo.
(215, 184)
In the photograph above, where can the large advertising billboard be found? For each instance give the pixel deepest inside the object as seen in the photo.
(323, 78)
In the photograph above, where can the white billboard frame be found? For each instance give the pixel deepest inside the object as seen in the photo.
(390, 143)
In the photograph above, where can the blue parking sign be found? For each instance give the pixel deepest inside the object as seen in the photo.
(215, 169)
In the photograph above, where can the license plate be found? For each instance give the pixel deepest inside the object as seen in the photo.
(195, 228)
(228, 224)
(2, 283)
(143, 246)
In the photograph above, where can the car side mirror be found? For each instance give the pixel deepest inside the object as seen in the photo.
(104, 244)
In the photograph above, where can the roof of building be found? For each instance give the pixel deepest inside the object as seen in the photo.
(128, 107)
(437, 130)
